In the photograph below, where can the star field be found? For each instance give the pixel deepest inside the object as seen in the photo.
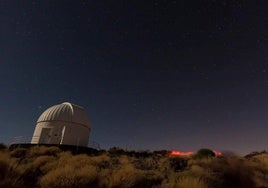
(152, 75)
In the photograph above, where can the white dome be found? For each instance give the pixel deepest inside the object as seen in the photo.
(66, 112)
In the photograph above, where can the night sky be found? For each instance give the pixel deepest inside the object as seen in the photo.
(151, 74)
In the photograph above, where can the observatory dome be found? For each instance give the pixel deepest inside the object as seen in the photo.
(66, 124)
(66, 112)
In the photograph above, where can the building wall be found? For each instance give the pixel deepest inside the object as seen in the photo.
(57, 132)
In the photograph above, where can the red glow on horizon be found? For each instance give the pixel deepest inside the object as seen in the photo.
(217, 153)
(181, 153)
(189, 153)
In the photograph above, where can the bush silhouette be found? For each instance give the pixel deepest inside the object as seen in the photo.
(2, 146)
(204, 153)
(178, 163)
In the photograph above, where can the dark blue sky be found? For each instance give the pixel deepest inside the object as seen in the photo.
(151, 74)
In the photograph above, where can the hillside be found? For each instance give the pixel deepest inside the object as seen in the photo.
(50, 167)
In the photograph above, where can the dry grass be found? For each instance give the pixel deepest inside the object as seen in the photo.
(260, 165)
(49, 167)
(69, 177)
(191, 182)
(231, 172)
(128, 176)
(9, 175)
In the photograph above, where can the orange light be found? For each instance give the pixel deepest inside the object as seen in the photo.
(189, 153)
(181, 153)
(217, 153)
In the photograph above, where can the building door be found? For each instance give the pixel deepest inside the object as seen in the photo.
(45, 136)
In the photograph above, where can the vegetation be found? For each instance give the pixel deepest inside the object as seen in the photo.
(45, 167)
(204, 153)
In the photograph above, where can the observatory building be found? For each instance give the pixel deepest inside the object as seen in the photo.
(62, 124)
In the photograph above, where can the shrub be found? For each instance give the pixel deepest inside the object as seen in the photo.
(4, 165)
(237, 174)
(231, 172)
(128, 176)
(19, 153)
(43, 150)
(9, 176)
(191, 182)
(43, 160)
(2, 147)
(145, 164)
(28, 170)
(69, 177)
(259, 164)
(178, 164)
(115, 151)
(204, 153)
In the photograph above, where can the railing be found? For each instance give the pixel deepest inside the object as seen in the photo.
(20, 140)
(27, 140)
(93, 144)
